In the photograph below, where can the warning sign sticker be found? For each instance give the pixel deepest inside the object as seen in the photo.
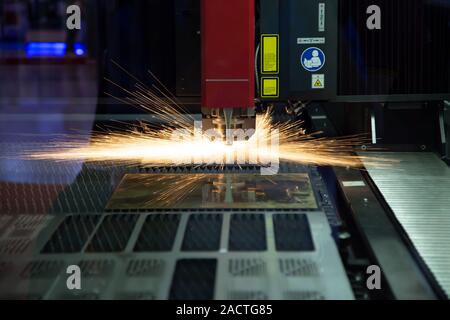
(318, 81)
(270, 53)
(270, 87)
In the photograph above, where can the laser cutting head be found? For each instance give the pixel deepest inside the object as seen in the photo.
(228, 70)
(229, 124)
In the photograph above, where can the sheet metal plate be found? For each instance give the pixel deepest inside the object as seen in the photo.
(418, 191)
(214, 191)
(116, 262)
(161, 272)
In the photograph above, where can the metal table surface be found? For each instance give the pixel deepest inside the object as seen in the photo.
(50, 213)
(417, 189)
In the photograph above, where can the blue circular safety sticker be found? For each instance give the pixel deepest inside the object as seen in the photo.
(313, 59)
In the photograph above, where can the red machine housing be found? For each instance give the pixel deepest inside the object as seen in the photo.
(228, 48)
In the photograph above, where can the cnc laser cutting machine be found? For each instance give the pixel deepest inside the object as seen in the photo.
(341, 68)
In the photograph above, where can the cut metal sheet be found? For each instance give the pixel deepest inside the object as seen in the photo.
(255, 269)
(214, 191)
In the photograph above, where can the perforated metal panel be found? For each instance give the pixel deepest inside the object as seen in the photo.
(113, 268)
(150, 254)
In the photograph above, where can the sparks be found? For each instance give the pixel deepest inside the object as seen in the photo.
(143, 145)
(183, 143)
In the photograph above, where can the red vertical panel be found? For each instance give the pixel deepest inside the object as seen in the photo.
(228, 48)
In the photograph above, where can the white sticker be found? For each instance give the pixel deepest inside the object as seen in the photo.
(310, 40)
(318, 81)
(349, 184)
(321, 17)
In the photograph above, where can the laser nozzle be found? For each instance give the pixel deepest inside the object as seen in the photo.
(229, 124)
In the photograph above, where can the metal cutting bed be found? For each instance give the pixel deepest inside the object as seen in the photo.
(160, 254)
(179, 255)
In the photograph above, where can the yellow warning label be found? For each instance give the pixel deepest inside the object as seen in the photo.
(270, 87)
(318, 81)
(270, 53)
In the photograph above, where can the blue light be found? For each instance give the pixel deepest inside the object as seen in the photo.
(80, 49)
(79, 52)
(46, 49)
(52, 49)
